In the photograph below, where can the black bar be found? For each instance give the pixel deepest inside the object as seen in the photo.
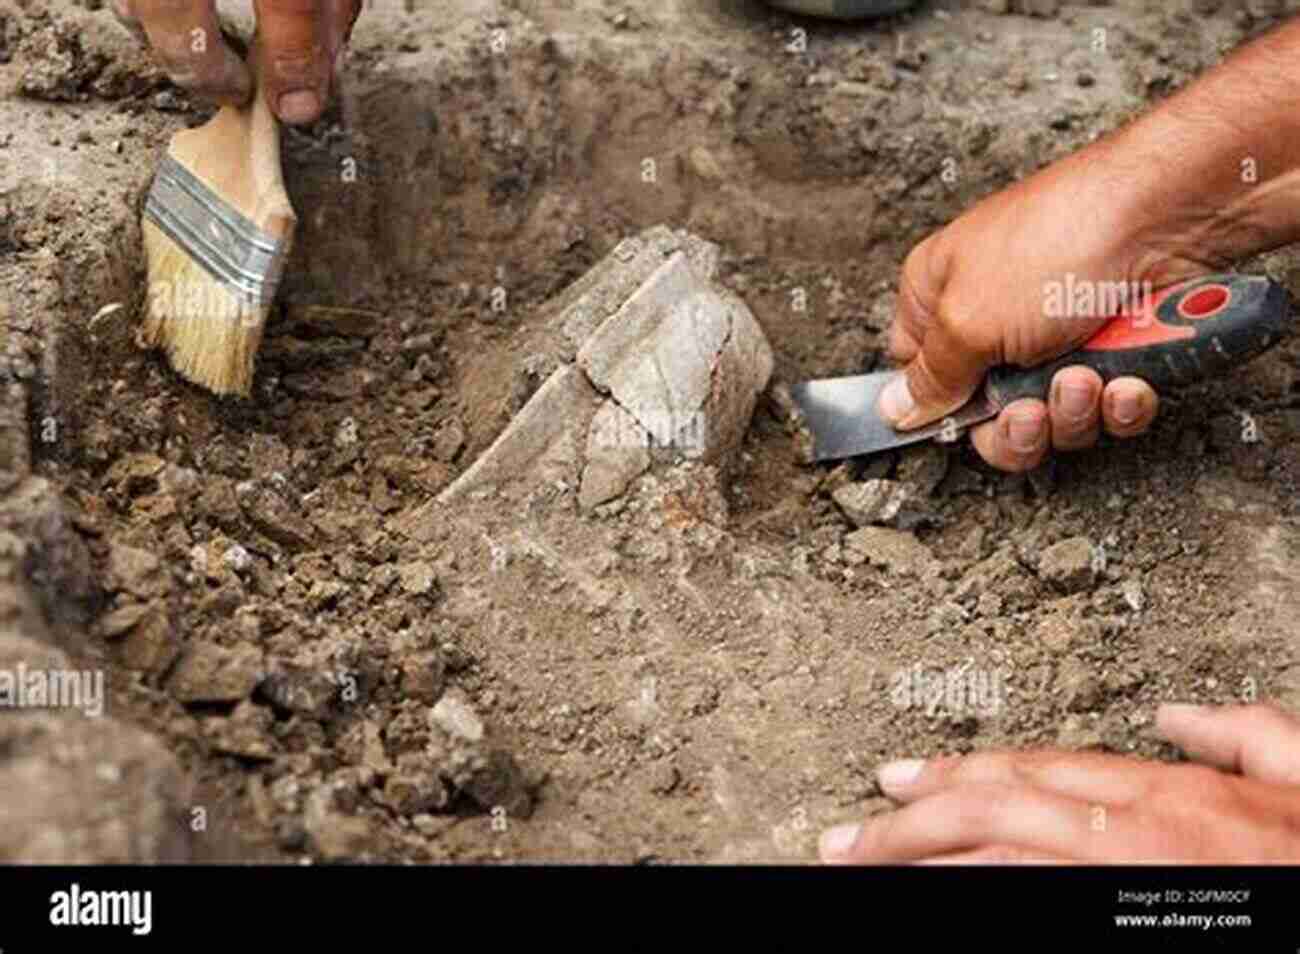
(912, 909)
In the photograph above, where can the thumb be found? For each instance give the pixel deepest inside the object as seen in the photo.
(941, 378)
(940, 371)
(1258, 741)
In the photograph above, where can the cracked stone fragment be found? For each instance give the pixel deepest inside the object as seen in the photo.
(561, 408)
(617, 454)
(665, 365)
(585, 304)
(687, 362)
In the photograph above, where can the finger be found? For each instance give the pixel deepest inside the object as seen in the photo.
(340, 17)
(941, 372)
(298, 66)
(1128, 407)
(969, 818)
(186, 38)
(940, 379)
(1018, 440)
(1086, 776)
(1074, 406)
(1258, 740)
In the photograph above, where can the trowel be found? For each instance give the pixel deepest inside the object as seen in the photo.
(1188, 332)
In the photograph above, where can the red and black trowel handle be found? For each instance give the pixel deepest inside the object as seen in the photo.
(1184, 333)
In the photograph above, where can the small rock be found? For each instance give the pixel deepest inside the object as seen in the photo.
(347, 434)
(237, 558)
(212, 673)
(1076, 734)
(923, 468)
(972, 545)
(663, 778)
(136, 475)
(989, 605)
(424, 676)
(448, 440)
(1078, 686)
(324, 594)
(137, 572)
(414, 787)
(271, 514)
(120, 621)
(309, 691)
(1056, 632)
(418, 579)
(1068, 565)
(895, 550)
(493, 780)
(151, 647)
(880, 502)
(245, 733)
(454, 716)
(1134, 598)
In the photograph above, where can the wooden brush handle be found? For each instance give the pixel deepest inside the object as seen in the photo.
(274, 207)
(237, 155)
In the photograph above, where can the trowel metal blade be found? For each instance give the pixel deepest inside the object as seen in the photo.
(840, 415)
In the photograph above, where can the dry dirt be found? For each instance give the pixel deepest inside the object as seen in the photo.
(706, 670)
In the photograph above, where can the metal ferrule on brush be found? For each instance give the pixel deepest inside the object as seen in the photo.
(230, 247)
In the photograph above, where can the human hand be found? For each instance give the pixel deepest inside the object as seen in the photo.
(1241, 806)
(300, 40)
(1176, 194)
(978, 294)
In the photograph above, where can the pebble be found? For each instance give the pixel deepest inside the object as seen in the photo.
(212, 673)
(884, 502)
(895, 550)
(1068, 565)
(237, 558)
(454, 716)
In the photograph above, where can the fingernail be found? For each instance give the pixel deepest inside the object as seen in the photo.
(301, 106)
(1025, 432)
(836, 843)
(1127, 408)
(1075, 400)
(893, 776)
(896, 400)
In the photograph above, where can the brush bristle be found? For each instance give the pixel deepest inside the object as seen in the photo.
(210, 333)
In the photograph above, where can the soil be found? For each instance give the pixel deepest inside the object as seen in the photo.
(712, 668)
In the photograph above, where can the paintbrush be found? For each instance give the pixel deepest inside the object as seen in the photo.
(218, 228)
